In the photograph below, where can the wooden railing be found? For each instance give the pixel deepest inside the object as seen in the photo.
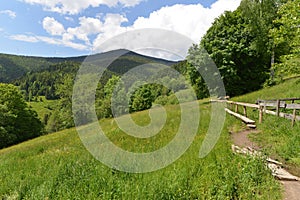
(277, 104)
(264, 106)
(233, 109)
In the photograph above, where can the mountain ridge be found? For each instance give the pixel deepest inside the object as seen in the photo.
(13, 67)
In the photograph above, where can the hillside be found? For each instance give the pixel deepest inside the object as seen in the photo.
(13, 67)
(277, 137)
(57, 166)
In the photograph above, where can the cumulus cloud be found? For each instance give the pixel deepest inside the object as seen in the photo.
(76, 6)
(65, 37)
(10, 13)
(52, 26)
(192, 21)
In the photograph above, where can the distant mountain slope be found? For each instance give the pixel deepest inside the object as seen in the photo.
(13, 67)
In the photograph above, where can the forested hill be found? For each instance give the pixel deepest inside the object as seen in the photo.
(13, 67)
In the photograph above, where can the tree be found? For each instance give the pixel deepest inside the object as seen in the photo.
(17, 121)
(286, 35)
(229, 43)
(142, 98)
(64, 116)
(260, 15)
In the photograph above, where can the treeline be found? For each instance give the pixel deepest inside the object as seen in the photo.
(127, 98)
(35, 84)
(13, 67)
(254, 46)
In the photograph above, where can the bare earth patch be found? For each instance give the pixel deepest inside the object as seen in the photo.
(291, 188)
(241, 139)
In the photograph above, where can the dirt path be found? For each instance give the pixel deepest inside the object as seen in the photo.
(291, 188)
(241, 139)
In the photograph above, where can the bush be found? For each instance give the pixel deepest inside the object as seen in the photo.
(17, 121)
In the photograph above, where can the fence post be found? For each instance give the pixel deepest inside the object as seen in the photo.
(277, 107)
(245, 111)
(260, 114)
(236, 108)
(294, 117)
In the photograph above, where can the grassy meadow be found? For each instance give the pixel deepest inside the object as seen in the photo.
(43, 106)
(277, 137)
(57, 166)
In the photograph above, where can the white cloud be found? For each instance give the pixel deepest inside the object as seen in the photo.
(24, 38)
(112, 26)
(76, 6)
(49, 40)
(88, 26)
(70, 19)
(52, 26)
(191, 21)
(10, 13)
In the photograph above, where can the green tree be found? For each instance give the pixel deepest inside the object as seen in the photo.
(64, 89)
(229, 43)
(142, 98)
(286, 35)
(103, 102)
(259, 15)
(17, 121)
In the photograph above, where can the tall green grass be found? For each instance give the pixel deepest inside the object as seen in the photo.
(277, 137)
(287, 89)
(57, 166)
(43, 106)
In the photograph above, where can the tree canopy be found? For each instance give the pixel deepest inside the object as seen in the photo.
(17, 121)
(286, 35)
(240, 45)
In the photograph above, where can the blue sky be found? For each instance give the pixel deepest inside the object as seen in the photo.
(63, 28)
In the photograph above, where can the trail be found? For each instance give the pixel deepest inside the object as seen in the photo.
(291, 188)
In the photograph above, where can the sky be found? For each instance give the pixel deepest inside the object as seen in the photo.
(64, 28)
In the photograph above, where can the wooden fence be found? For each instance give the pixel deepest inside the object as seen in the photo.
(273, 107)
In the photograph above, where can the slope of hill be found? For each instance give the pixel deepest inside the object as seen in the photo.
(57, 166)
(278, 138)
(13, 67)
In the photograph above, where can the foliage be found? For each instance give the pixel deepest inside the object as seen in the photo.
(240, 45)
(17, 121)
(230, 43)
(62, 117)
(260, 15)
(13, 67)
(44, 83)
(142, 98)
(286, 35)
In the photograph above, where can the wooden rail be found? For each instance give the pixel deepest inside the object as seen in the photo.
(235, 106)
(262, 105)
(278, 104)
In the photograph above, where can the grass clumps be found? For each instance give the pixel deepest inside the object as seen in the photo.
(57, 166)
